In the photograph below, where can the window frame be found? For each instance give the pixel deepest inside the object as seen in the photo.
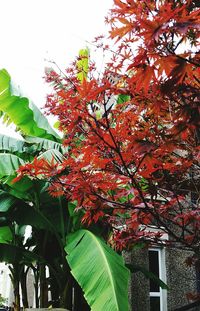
(162, 294)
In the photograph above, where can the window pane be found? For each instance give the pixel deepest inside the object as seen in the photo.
(154, 303)
(154, 268)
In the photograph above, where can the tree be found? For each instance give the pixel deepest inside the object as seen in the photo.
(52, 220)
(133, 133)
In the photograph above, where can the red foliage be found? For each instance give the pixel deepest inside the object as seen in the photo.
(133, 134)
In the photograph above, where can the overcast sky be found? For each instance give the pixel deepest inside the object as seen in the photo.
(33, 31)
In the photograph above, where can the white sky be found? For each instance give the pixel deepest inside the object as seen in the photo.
(35, 30)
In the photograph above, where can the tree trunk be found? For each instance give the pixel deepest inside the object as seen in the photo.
(36, 286)
(43, 287)
(24, 288)
(16, 296)
(55, 291)
(14, 274)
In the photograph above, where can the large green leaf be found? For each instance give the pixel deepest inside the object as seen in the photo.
(5, 234)
(19, 189)
(9, 163)
(11, 144)
(30, 145)
(99, 270)
(23, 113)
(6, 201)
(45, 144)
(52, 154)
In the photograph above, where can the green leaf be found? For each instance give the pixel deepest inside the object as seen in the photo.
(57, 216)
(4, 221)
(20, 188)
(83, 64)
(99, 270)
(6, 201)
(25, 214)
(71, 208)
(23, 113)
(9, 163)
(56, 125)
(5, 234)
(149, 275)
(122, 98)
(45, 144)
(29, 145)
(75, 216)
(52, 154)
(11, 144)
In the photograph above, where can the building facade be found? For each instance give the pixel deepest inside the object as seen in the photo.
(170, 266)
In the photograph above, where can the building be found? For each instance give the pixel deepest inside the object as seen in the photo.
(170, 266)
(5, 283)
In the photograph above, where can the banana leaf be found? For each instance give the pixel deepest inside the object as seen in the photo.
(30, 145)
(52, 154)
(9, 163)
(23, 113)
(99, 270)
(45, 144)
(11, 144)
(6, 201)
(5, 235)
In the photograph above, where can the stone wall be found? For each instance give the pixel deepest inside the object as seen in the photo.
(139, 285)
(180, 279)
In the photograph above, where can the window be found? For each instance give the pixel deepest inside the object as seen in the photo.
(158, 296)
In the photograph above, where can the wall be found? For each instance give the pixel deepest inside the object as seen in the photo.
(180, 279)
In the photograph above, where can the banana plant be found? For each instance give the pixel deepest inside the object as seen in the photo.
(25, 204)
(39, 140)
